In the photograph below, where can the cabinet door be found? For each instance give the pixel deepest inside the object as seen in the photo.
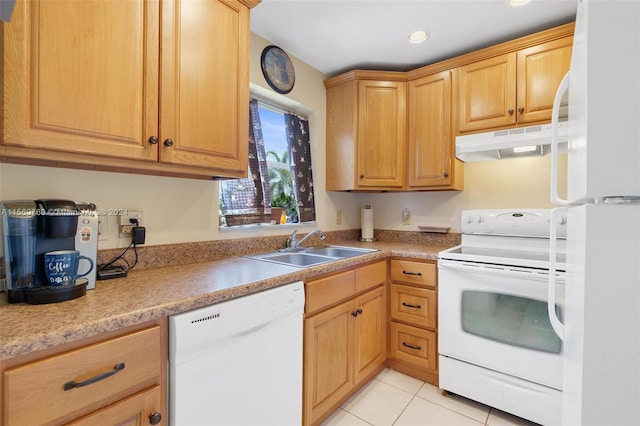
(430, 141)
(381, 134)
(136, 410)
(82, 77)
(487, 93)
(205, 84)
(540, 70)
(328, 359)
(370, 335)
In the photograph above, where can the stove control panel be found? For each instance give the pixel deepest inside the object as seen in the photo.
(523, 223)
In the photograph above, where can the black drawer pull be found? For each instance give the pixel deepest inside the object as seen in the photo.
(73, 384)
(411, 306)
(417, 348)
(418, 274)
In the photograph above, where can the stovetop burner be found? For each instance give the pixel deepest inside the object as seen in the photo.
(518, 238)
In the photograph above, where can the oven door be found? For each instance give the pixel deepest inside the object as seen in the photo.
(495, 317)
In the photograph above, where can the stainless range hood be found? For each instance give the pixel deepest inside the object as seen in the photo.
(510, 143)
(6, 8)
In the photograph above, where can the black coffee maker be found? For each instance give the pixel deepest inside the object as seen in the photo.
(32, 228)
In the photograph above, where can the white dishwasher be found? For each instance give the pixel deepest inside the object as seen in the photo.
(238, 362)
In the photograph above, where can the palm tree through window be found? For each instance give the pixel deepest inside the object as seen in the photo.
(280, 172)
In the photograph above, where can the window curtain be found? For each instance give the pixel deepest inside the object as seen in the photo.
(300, 155)
(251, 194)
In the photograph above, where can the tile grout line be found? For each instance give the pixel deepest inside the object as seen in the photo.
(403, 410)
(357, 417)
(457, 412)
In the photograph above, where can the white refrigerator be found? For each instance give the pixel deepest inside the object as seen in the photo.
(600, 325)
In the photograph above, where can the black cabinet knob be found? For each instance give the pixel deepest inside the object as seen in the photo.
(510, 111)
(155, 418)
(168, 142)
(153, 140)
(521, 110)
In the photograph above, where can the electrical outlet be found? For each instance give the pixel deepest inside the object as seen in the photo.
(406, 217)
(125, 224)
(338, 217)
(103, 227)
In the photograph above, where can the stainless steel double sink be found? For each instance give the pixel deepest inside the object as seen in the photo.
(303, 257)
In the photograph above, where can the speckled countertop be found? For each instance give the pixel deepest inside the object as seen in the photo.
(153, 293)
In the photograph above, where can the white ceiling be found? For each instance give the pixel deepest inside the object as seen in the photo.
(334, 36)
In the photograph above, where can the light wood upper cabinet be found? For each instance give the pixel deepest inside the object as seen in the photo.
(204, 106)
(487, 93)
(431, 156)
(82, 77)
(515, 88)
(539, 72)
(366, 131)
(149, 87)
(381, 133)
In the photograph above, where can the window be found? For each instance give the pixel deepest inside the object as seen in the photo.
(279, 186)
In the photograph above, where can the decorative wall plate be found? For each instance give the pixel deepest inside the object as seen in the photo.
(277, 69)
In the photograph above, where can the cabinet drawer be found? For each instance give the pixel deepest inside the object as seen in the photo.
(371, 276)
(414, 305)
(326, 291)
(414, 345)
(413, 272)
(36, 391)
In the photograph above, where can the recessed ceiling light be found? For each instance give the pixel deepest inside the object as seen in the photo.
(418, 36)
(515, 3)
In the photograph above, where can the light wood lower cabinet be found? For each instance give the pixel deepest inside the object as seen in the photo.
(120, 380)
(344, 337)
(139, 409)
(413, 340)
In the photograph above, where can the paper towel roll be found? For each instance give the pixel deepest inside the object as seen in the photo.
(366, 221)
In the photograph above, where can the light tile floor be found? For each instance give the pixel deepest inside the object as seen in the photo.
(393, 398)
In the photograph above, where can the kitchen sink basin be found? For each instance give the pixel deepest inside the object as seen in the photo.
(296, 259)
(339, 252)
(304, 257)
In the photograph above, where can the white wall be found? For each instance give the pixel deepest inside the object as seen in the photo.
(183, 210)
(514, 183)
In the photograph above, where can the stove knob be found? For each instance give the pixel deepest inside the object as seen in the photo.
(469, 219)
(480, 219)
(562, 220)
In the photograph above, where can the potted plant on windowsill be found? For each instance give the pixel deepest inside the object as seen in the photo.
(282, 204)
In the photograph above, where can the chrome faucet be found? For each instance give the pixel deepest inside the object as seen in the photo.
(293, 243)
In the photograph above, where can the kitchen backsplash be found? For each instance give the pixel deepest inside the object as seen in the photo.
(172, 254)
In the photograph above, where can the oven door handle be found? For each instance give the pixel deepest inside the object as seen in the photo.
(557, 326)
(503, 271)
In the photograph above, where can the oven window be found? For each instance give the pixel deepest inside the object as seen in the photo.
(510, 319)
